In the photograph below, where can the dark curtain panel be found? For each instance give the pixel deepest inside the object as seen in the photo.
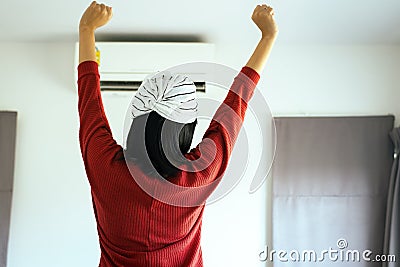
(392, 237)
(330, 188)
(7, 154)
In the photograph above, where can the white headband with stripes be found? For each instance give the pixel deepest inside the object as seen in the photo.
(172, 96)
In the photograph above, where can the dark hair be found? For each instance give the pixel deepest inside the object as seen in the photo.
(154, 141)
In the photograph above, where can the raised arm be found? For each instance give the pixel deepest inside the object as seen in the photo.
(213, 152)
(263, 18)
(95, 137)
(95, 16)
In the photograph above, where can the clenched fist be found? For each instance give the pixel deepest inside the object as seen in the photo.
(263, 17)
(95, 16)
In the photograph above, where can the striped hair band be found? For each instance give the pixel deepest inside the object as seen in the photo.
(173, 96)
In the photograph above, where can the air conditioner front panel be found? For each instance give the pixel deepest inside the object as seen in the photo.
(149, 57)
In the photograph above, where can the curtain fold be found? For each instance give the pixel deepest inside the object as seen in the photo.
(392, 233)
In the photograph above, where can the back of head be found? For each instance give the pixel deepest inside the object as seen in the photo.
(156, 143)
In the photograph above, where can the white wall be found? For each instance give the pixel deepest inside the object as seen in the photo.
(327, 80)
(52, 220)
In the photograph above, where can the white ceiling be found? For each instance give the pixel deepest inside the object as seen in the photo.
(345, 22)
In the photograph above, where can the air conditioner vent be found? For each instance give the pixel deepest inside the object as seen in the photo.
(134, 85)
(119, 85)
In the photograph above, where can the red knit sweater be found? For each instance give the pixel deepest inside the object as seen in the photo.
(134, 228)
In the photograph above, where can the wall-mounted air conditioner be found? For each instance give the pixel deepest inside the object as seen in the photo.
(124, 65)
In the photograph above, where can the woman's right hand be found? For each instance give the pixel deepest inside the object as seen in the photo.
(263, 17)
(95, 16)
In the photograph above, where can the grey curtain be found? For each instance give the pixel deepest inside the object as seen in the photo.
(330, 189)
(7, 154)
(392, 235)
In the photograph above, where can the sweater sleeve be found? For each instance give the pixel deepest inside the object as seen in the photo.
(97, 145)
(209, 159)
